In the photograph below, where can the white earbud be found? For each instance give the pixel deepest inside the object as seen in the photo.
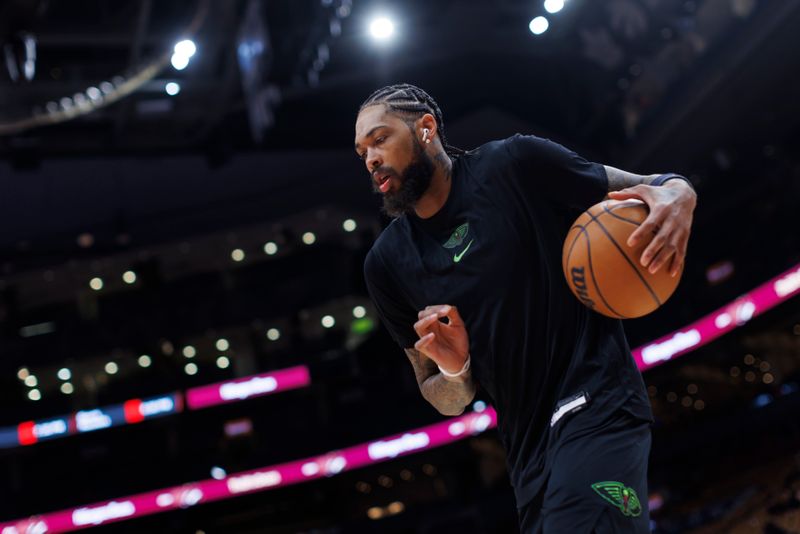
(425, 133)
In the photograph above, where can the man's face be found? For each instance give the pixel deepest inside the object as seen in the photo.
(397, 163)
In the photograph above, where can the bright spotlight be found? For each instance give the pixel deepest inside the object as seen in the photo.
(185, 48)
(189, 351)
(190, 368)
(129, 277)
(179, 62)
(270, 248)
(381, 28)
(349, 225)
(67, 389)
(223, 362)
(31, 381)
(309, 238)
(145, 360)
(111, 368)
(539, 25)
(237, 255)
(328, 321)
(273, 334)
(218, 473)
(96, 283)
(222, 344)
(23, 373)
(34, 395)
(64, 374)
(172, 88)
(553, 6)
(359, 312)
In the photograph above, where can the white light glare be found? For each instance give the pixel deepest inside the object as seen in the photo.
(553, 6)
(190, 368)
(96, 283)
(145, 360)
(270, 248)
(67, 389)
(64, 374)
(172, 88)
(34, 395)
(218, 473)
(185, 48)
(359, 312)
(237, 254)
(182, 52)
(129, 277)
(309, 238)
(381, 28)
(223, 362)
(328, 321)
(179, 62)
(349, 225)
(273, 334)
(112, 368)
(539, 25)
(222, 344)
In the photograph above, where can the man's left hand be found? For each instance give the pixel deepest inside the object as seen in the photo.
(670, 222)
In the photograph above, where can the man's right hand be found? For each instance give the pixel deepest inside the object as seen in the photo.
(447, 344)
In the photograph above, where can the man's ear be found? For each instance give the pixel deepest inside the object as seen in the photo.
(427, 121)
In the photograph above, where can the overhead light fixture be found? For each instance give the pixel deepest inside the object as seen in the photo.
(172, 88)
(381, 28)
(553, 6)
(539, 25)
(182, 52)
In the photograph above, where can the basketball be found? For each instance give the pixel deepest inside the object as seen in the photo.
(603, 272)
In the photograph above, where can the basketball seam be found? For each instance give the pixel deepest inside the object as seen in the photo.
(620, 217)
(582, 229)
(614, 241)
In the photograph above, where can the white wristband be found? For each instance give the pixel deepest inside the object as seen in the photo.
(461, 372)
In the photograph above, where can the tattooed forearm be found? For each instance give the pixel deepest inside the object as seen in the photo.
(449, 397)
(619, 179)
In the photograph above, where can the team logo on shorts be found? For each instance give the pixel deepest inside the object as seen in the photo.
(457, 237)
(621, 496)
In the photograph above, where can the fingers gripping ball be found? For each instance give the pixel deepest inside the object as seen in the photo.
(604, 272)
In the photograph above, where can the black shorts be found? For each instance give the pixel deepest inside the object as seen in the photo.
(597, 483)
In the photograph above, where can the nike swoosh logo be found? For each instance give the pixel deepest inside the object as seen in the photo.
(457, 257)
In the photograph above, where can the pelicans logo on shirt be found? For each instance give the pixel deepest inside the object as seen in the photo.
(458, 236)
(456, 239)
(621, 496)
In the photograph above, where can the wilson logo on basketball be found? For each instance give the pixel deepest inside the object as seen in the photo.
(579, 283)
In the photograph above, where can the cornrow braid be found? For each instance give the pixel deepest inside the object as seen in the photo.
(411, 102)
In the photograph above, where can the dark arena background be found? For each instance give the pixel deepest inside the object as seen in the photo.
(186, 341)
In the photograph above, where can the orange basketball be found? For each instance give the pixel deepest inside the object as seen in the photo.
(604, 272)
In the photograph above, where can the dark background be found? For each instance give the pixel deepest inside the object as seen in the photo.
(245, 153)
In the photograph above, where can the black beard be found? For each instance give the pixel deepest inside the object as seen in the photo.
(415, 180)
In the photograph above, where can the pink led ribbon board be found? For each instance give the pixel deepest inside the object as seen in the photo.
(764, 297)
(245, 388)
(193, 493)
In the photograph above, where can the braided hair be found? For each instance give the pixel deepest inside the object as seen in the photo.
(410, 103)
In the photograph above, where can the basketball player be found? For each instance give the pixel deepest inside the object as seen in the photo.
(468, 280)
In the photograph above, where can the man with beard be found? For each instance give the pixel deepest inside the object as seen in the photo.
(467, 279)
